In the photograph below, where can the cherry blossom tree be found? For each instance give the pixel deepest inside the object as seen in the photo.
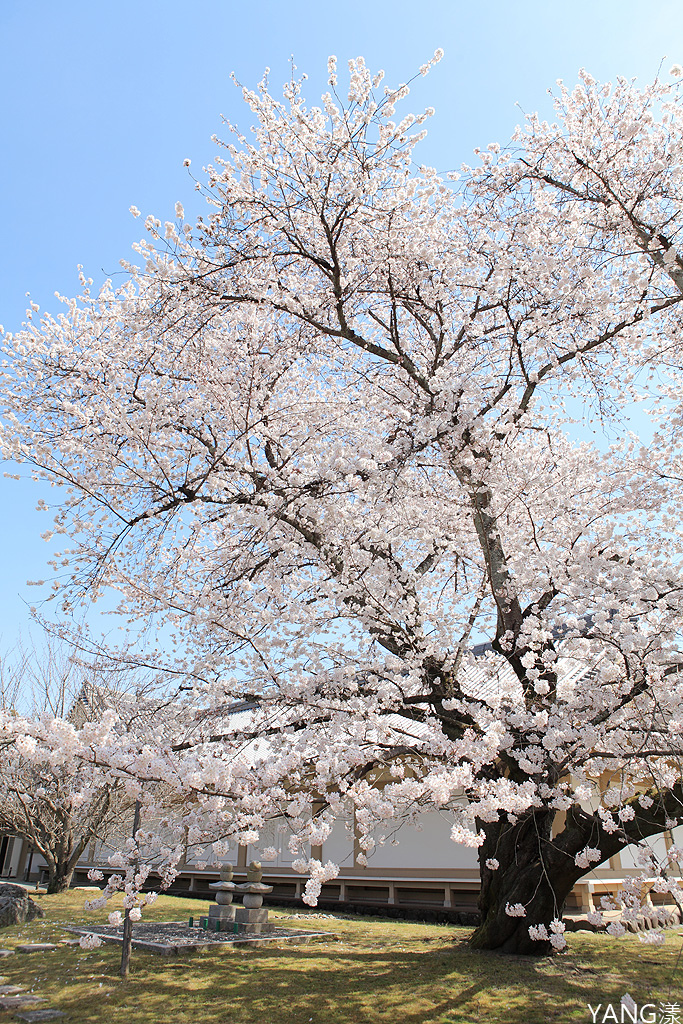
(58, 809)
(327, 438)
(58, 804)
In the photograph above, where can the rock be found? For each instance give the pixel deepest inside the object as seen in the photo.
(16, 906)
(36, 947)
(6, 952)
(33, 1016)
(15, 1002)
(581, 924)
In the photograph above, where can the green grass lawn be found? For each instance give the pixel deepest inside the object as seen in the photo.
(379, 972)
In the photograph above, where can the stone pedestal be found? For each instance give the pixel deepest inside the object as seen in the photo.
(251, 922)
(219, 913)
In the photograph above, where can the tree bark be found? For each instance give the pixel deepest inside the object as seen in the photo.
(127, 941)
(60, 878)
(522, 877)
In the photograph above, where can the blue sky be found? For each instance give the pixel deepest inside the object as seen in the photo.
(102, 102)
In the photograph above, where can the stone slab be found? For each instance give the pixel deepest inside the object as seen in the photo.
(156, 947)
(221, 913)
(264, 939)
(246, 916)
(36, 947)
(16, 1002)
(33, 1016)
(11, 990)
(6, 952)
(242, 940)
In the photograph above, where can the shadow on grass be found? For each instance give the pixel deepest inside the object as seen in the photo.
(328, 985)
(379, 973)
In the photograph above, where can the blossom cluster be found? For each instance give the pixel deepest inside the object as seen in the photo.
(324, 439)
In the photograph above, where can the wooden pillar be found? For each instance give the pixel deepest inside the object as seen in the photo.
(584, 898)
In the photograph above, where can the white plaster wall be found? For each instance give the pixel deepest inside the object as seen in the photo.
(8, 858)
(102, 852)
(274, 834)
(431, 847)
(16, 854)
(655, 843)
(338, 847)
(205, 854)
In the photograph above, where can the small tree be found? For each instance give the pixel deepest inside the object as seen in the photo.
(58, 810)
(56, 803)
(328, 436)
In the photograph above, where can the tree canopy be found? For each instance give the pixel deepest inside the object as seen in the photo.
(328, 436)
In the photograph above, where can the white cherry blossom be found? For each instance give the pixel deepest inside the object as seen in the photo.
(328, 440)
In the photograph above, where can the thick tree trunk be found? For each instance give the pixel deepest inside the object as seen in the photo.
(524, 876)
(60, 878)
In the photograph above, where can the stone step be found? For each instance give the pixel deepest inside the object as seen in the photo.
(16, 1002)
(33, 1016)
(36, 947)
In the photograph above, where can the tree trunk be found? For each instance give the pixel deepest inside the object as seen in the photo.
(60, 878)
(127, 942)
(524, 877)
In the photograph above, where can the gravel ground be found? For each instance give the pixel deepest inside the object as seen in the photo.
(178, 934)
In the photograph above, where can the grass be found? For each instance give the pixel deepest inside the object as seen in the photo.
(380, 972)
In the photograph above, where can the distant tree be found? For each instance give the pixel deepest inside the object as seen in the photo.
(328, 436)
(57, 803)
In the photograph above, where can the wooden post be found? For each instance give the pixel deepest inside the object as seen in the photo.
(127, 923)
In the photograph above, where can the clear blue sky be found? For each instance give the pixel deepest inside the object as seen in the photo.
(103, 101)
